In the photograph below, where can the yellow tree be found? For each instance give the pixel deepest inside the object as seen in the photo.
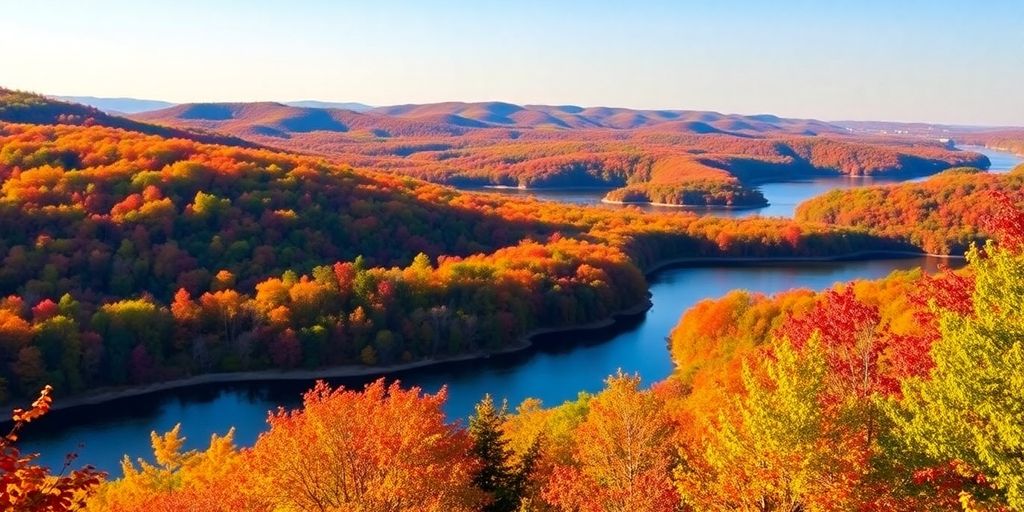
(775, 447)
(210, 480)
(970, 410)
(621, 455)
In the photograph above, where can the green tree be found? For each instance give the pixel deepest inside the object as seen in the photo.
(496, 475)
(775, 447)
(971, 408)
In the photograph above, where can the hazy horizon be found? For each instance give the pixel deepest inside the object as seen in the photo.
(941, 62)
(342, 101)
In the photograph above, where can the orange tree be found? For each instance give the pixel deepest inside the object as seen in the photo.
(25, 486)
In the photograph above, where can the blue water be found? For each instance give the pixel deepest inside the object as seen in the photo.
(560, 367)
(783, 197)
(1001, 160)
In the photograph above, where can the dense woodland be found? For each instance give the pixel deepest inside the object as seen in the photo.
(29, 108)
(676, 157)
(898, 394)
(131, 258)
(942, 215)
(1005, 140)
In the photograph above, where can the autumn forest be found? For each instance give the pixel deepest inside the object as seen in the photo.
(215, 241)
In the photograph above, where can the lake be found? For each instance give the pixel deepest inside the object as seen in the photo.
(783, 197)
(558, 368)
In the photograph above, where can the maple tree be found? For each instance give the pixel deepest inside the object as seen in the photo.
(967, 410)
(777, 446)
(384, 448)
(25, 486)
(621, 455)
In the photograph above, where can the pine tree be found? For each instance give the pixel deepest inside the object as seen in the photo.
(496, 476)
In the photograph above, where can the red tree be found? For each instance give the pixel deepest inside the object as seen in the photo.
(28, 487)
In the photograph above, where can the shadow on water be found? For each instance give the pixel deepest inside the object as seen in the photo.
(559, 366)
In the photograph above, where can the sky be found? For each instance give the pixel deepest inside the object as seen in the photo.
(952, 61)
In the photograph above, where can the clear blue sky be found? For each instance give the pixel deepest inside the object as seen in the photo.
(939, 61)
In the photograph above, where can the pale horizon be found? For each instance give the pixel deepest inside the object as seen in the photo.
(527, 104)
(941, 62)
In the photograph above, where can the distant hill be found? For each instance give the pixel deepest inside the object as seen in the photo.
(117, 105)
(136, 105)
(1003, 138)
(664, 156)
(574, 117)
(280, 121)
(457, 118)
(29, 108)
(1011, 140)
(353, 106)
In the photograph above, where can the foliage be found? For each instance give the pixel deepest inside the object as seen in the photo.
(27, 487)
(776, 446)
(385, 448)
(171, 258)
(621, 455)
(943, 215)
(675, 157)
(969, 409)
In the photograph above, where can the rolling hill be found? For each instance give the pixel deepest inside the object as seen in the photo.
(454, 117)
(660, 156)
(118, 106)
(29, 108)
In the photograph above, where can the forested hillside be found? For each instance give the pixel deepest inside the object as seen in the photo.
(674, 157)
(942, 215)
(895, 395)
(25, 107)
(132, 258)
(1006, 140)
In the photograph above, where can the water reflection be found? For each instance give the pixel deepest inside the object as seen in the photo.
(556, 370)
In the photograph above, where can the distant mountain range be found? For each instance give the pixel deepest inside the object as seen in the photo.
(267, 119)
(500, 114)
(135, 105)
(23, 107)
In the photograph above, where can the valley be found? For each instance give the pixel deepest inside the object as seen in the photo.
(194, 273)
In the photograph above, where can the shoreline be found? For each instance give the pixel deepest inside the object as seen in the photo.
(1009, 151)
(540, 189)
(850, 256)
(685, 206)
(346, 371)
(526, 341)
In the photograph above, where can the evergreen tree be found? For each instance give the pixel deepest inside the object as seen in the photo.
(497, 476)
